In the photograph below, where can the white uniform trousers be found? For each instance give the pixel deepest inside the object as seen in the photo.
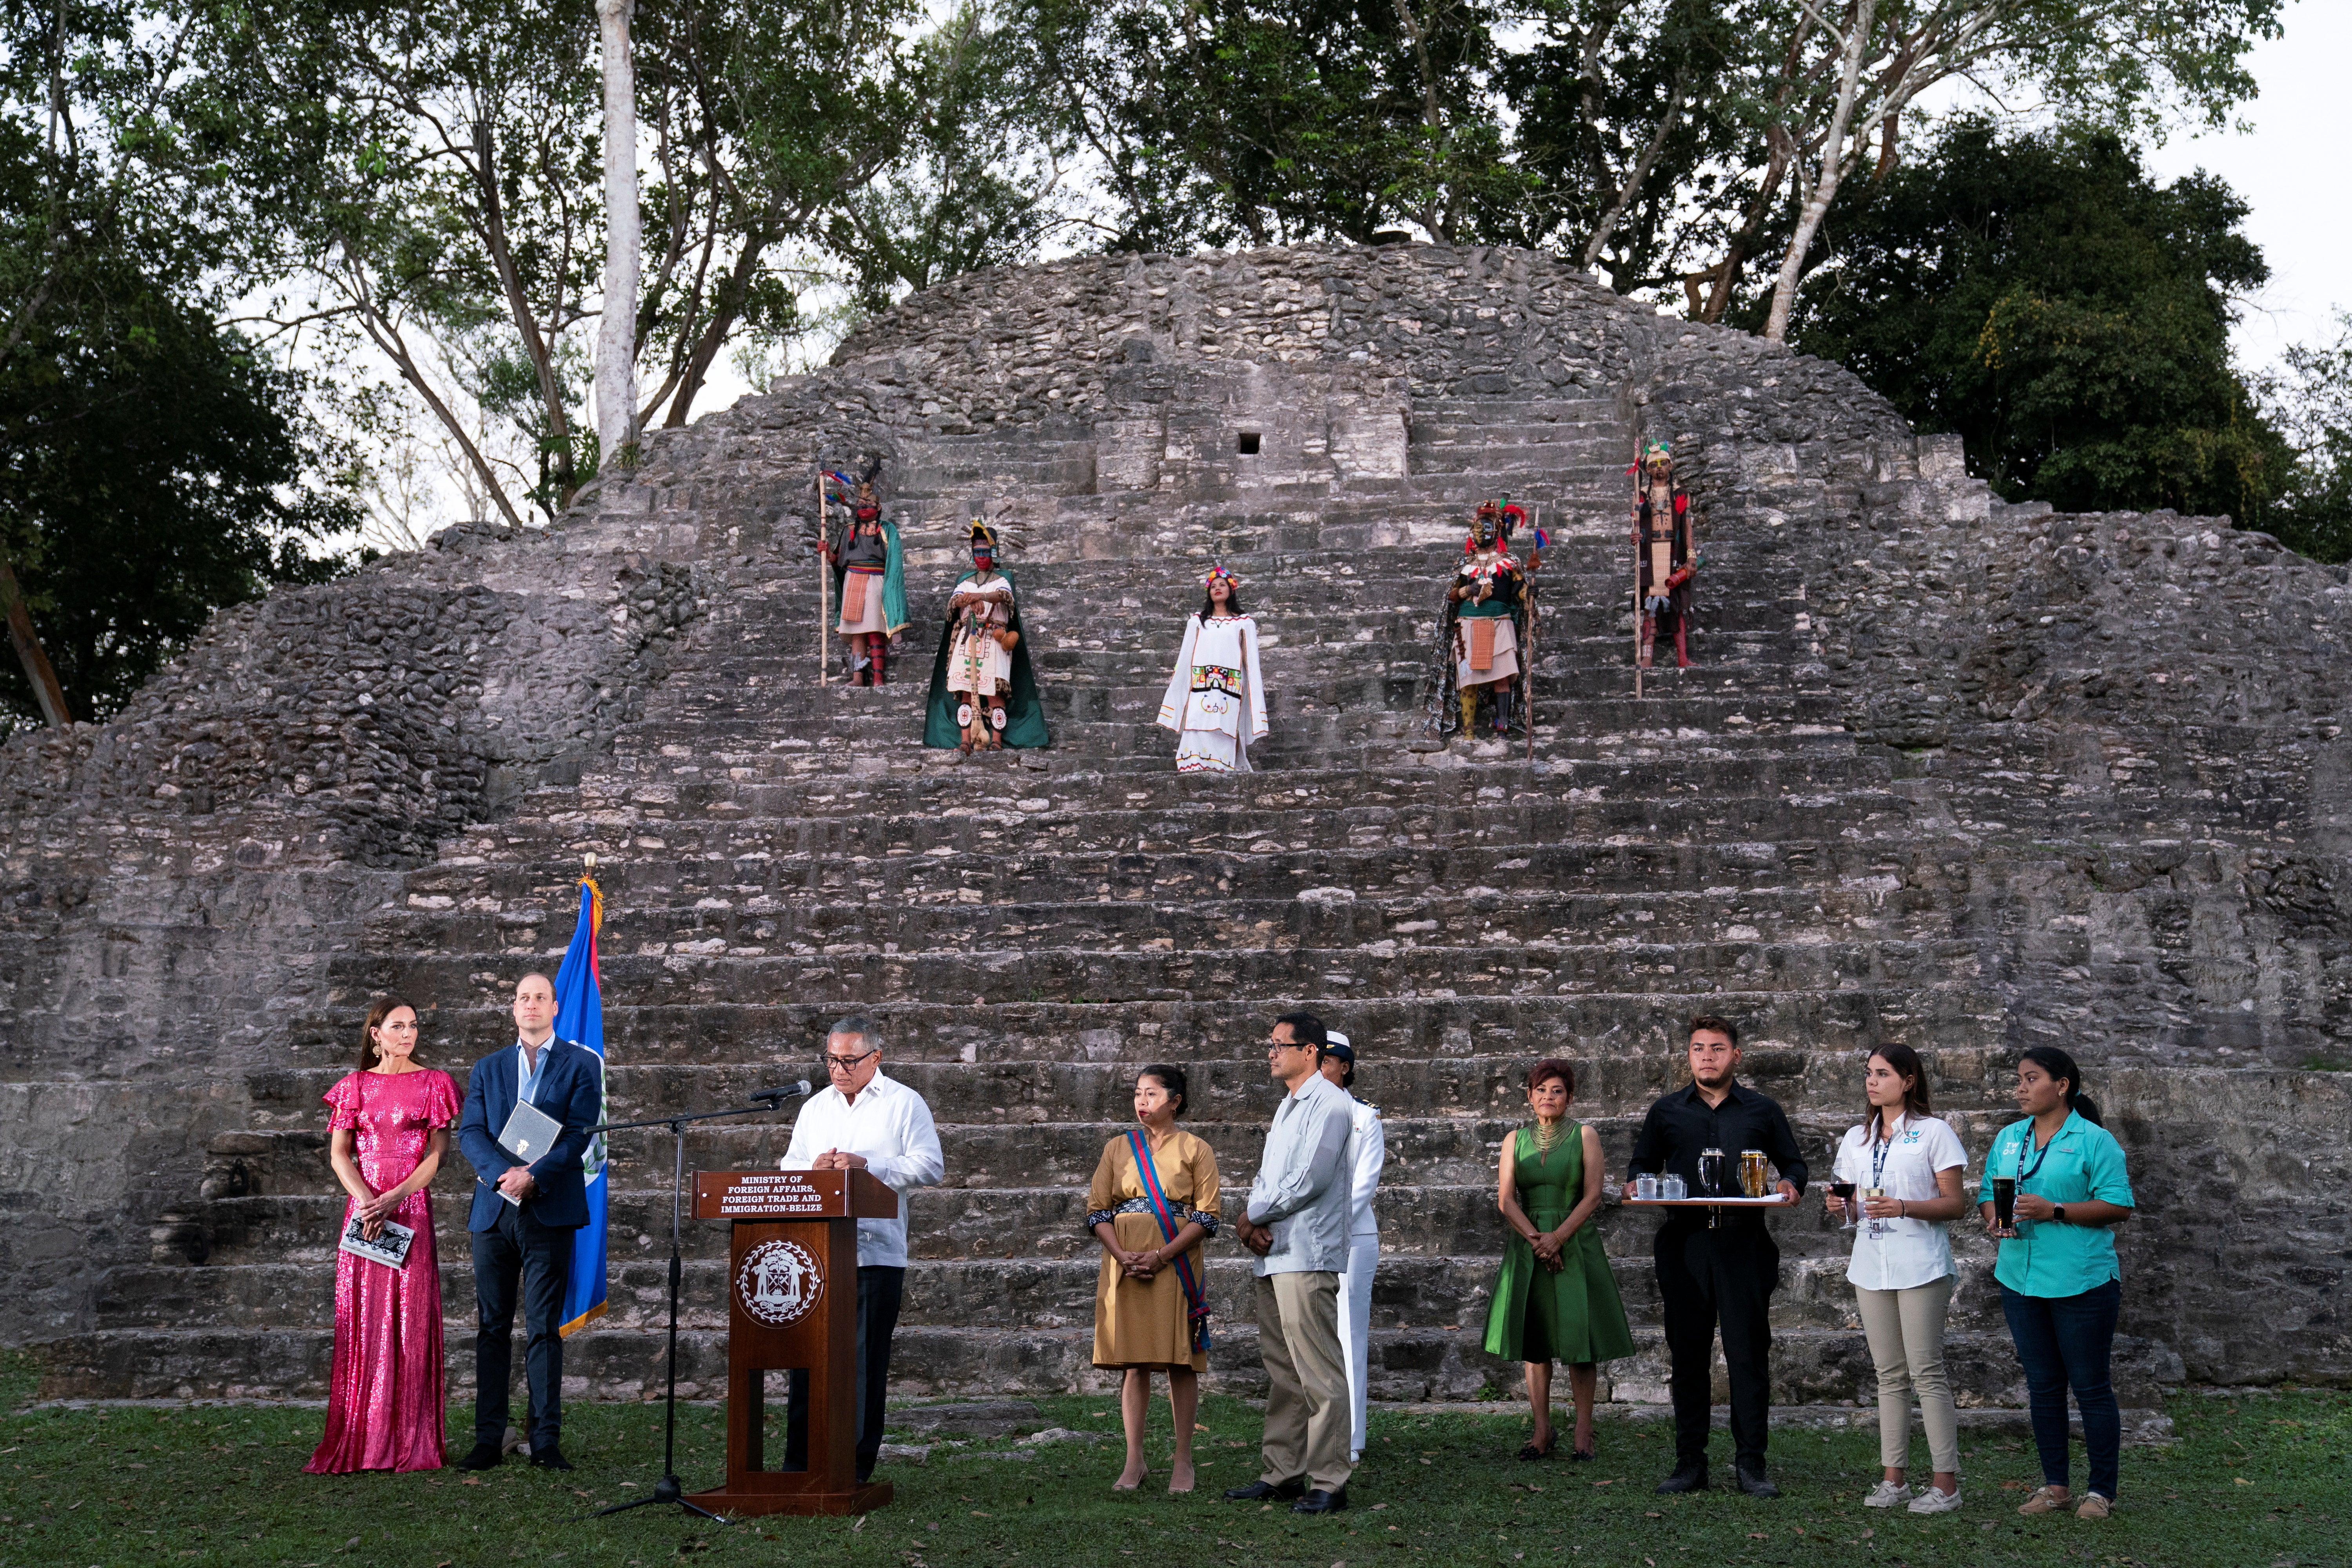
(1355, 1326)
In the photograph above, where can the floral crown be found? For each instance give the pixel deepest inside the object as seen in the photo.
(1217, 572)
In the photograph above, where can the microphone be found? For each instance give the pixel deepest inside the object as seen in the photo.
(778, 1096)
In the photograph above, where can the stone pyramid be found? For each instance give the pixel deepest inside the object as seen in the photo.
(1948, 773)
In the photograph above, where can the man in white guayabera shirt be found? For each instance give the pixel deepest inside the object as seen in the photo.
(1296, 1225)
(867, 1122)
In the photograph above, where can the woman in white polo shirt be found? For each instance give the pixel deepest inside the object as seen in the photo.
(1901, 1270)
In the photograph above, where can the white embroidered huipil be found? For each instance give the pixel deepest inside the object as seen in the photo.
(1215, 702)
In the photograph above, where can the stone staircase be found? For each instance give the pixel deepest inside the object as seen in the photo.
(1947, 773)
(1033, 927)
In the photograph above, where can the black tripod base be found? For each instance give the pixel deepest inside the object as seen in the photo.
(666, 1489)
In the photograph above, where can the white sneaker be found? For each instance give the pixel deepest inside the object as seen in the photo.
(1887, 1494)
(1934, 1499)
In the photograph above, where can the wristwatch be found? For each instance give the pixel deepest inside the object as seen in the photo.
(2058, 1213)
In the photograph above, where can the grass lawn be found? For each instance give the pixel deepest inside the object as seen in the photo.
(2256, 1481)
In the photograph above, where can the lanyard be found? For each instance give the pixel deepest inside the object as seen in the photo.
(2025, 1143)
(1878, 1153)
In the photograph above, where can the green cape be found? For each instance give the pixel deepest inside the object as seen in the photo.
(1024, 716)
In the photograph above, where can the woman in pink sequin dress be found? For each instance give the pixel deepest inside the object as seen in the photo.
(387, 1402)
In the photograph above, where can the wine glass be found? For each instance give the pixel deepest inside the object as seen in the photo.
(1844, 1191)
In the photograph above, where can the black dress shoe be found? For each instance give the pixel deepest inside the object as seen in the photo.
(1689, 1478)
(481, 1456)
(550, 1458)
(1265, 1492)
(1753, 1483)
(1320, 1501)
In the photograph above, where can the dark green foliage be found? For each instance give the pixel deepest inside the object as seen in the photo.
(2066, 314)
(152, 467)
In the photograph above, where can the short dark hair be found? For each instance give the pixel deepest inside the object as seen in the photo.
(1307, 1029)
(1723, 1026)
(534, 975)
(1171, 1079)
(1549, 1069)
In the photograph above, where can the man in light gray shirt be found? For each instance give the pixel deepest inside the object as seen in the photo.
(1296, 1225)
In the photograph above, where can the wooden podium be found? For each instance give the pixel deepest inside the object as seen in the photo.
(793, 1303)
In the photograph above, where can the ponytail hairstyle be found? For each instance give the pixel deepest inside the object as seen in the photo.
(1904, 1063)
(1172, 1080)
(2058, 1063)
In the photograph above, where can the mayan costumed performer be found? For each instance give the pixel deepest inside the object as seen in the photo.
(1665, 563)
(869, 575)
(1215, 702)
(984, 693)
(1481, 632)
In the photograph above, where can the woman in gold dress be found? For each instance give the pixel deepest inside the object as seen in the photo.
(1153, 1201)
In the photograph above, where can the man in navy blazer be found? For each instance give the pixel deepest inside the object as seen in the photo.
(526, 1245)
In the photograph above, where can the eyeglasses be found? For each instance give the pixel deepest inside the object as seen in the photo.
(846, 1064)
(1273, 1046)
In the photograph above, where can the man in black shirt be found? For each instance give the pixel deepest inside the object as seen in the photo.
(1724, 1275)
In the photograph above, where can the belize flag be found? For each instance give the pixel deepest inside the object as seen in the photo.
(580, 1018)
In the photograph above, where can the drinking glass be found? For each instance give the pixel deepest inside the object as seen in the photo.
(1844, 1191)
(1710, 1181)
(2004, 1206)
(1673, 1186)
(1645, 1186)
(1877, 1225)
(1752, 1173)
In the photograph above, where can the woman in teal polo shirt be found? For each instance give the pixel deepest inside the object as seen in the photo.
(2060, 1287)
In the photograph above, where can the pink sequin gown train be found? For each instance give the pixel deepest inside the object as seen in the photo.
(387, 1403)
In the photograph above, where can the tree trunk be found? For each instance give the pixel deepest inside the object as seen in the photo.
(616, 334)
(38, 672)
(1817, 205)
(1640, 172)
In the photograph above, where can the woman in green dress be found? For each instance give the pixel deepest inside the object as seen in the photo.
(1556, 1298)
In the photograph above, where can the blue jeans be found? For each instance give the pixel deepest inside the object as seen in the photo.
(2063, 1340)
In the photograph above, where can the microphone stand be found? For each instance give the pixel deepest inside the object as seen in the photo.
(669, 1490)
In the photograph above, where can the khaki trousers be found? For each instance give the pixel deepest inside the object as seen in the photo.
(1906, 1329)
(1307, 1407)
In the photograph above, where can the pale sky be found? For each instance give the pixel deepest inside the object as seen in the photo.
(2290, 166)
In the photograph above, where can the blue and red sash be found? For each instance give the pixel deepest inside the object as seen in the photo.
(1196, 1296)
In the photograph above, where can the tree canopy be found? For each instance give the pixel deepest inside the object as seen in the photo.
(2068, 316)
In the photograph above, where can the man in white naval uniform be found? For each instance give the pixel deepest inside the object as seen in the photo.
(1369, 1150)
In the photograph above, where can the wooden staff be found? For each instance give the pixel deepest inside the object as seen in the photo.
(823, 585)
(1638, 547)
(1534, 529)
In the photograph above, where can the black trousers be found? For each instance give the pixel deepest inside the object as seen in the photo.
(879, 1291)
(526, 1257)
(1711, 1278)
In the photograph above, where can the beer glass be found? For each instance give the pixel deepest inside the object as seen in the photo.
(2004, 1206)
(1752, 1173)
(1844, 1191)
(1710, 1181)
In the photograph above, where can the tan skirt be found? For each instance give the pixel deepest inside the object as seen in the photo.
(1144, 1323)
(861, 604)
(1501, 653)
